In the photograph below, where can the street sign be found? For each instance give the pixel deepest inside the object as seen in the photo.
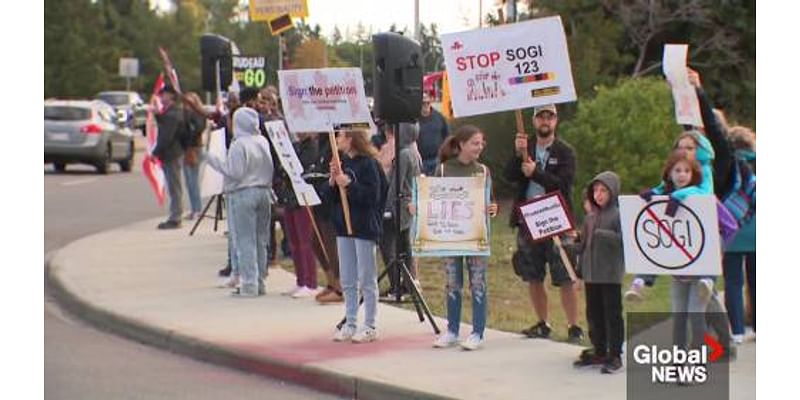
(129, 67)
(250, 71)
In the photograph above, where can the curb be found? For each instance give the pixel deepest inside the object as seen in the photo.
(175, 342)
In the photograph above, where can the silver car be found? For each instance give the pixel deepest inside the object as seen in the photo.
(130, 103)
(86, 131)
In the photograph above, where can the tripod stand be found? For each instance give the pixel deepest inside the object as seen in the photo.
(217, 213)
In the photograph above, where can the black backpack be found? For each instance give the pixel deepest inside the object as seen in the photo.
(189, 130)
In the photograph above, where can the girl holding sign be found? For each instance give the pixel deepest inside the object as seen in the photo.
(459, 158)
(360, 176)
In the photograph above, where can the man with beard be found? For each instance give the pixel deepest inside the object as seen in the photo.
(543, 166)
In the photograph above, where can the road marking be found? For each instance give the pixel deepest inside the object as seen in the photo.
(78, 182)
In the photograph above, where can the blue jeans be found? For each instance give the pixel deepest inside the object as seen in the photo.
(250, 236)
(357, 270)
(688, 306)
(454, 266)
(172, 178)
(231, 247)
(191, 174)
(734, 282)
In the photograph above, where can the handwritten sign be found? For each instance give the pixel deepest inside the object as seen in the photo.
(686, 244)
(211, 181)
(546, 216)
(314, 100)
(282, 143)
(508, 67)
(451, 218)
(687, 107)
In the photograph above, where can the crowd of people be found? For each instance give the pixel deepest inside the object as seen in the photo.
(716, 159)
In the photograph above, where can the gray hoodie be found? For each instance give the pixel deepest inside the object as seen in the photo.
(601, 255)
(249, 162)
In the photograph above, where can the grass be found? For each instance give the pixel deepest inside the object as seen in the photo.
(510, 308)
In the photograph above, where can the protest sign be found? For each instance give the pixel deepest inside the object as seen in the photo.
(315, 100)
(451, 217)
(282, 143)
(546, 216)
(687, 107)
(265, 10)
(211, 181)
(508, 67)
(655, 243)
(250, 71)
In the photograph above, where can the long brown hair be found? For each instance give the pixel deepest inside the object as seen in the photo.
(360, 142)
(676, 157)
(452, 145)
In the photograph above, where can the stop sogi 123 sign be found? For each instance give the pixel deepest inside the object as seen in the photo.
(685, 244)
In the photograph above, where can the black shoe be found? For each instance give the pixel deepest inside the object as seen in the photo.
(541, 330)
(588, 358)
(225, 272)
(612, 366)
(169, 225)
(575, 334)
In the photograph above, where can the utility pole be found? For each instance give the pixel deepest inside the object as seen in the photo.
(416, 21)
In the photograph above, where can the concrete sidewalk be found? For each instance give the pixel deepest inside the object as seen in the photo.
(160, 287)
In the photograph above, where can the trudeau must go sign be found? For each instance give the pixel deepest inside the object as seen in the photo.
(508, 67)
(685, 244)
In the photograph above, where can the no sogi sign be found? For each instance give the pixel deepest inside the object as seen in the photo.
(685, 244)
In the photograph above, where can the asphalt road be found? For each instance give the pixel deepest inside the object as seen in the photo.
(81, 362)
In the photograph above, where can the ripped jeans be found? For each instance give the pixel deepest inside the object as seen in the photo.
(454, 267)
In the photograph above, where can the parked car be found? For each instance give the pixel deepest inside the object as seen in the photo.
(86, 131)
(128, 102)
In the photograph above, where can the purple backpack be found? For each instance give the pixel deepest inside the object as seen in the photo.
(728, 225)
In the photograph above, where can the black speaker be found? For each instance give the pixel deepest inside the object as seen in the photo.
(398, 77)
(215, 48)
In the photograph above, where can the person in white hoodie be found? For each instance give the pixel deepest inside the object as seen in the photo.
(247, 173)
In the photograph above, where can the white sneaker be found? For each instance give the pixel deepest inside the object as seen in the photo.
(291, 291)
(304, 292)
(473, 342)
(705, 288)
(447, 339)
(230, 282)
(345, 334)
(737, 339)
(365, 335)
(634, 293)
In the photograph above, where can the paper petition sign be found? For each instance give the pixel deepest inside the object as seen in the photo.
(508, 67)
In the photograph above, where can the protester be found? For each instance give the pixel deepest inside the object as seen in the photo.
(359, 176)
(247, 173)
(433, 130)
(459, 158)
(195, 123)
(547, 166)
(602, 268)
(409, 168)
(168, 150)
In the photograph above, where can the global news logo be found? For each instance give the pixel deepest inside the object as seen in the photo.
(677, 365)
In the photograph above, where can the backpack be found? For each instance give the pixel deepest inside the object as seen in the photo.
(384, 188)
(189, 131)
(741, 199)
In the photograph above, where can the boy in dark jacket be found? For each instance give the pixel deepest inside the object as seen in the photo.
(602, 267)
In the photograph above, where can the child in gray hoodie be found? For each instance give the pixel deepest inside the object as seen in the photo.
(602, 267)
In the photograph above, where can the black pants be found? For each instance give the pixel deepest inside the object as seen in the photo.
(388, 247)
(604, 313)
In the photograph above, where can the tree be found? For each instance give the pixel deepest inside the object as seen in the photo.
(432, 56)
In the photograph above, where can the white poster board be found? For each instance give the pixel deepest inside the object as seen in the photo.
(687, 107)
(508, 67)
(211, 181)
(546, 216)
(282, 143)
(314, 100)
(686, 244)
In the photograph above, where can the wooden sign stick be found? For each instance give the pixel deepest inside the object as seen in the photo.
(342, 191)
(565, 258)
(316, 229)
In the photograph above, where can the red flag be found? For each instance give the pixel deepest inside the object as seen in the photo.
(151, 166)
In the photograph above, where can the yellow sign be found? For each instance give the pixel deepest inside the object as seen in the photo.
(266, 10)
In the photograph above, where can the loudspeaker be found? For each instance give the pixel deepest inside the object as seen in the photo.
(398, 77)
(213, 48)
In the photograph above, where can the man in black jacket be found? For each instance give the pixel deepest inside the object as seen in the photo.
(168, 149)
(546, 166)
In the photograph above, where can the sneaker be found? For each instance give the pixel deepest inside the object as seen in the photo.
(473, 342)
(612, 366)
(634, 293)
(345, 334)
(169, 225)
(365, 335)
(291, 291)
(574, 334)
(239, 293)
(447, 339)
(331, 298)
(225, 272)
(231, 282)
(705, 288)
(323, 292)
(737, 338)
(541, 330)
(304, 292)
(588, 358)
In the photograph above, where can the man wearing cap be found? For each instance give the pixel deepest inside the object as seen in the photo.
(540, 166)
(168, 149)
